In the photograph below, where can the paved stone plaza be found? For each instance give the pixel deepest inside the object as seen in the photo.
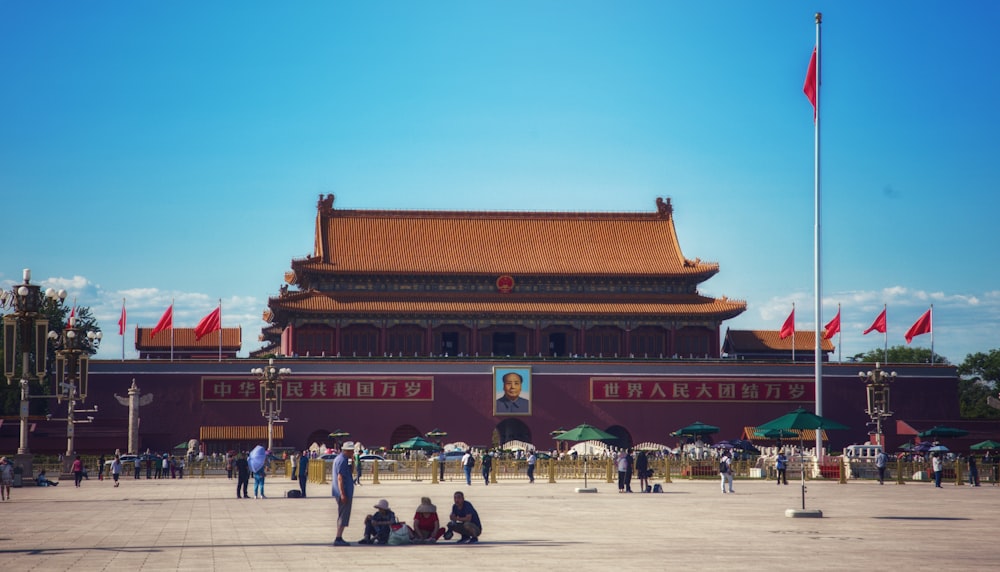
(199, 524)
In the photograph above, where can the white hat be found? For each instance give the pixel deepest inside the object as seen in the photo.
(382, 505)
(348, 446)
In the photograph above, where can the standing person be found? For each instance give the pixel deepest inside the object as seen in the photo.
(487, 465)
(149, 466)
(242, 476)
(629, 469)
(303, 472)
(642, 469)
(622, 466)
(468, 462)
(880, 462)
(138, 466)
(100, 467)
(532, 459)
(464, 520)
(357, 471)
(973, 470)
(781, 466)
(116, 469)
(343, 490)
(258, 481)
(726, 471)
(77, 470)
(442, 459)
(937, 466)
(6, 478)
(229, 466)
(180, 467)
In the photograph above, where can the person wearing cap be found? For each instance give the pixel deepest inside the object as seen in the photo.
(379, 525)
(464, 520)
(6, 478)
(426, 526)
(343, 490)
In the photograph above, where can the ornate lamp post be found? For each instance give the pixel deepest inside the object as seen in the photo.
(73, 349)
(24, 335)
(877, 384)
(270, 396)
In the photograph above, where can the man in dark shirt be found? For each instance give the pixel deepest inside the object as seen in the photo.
(242, 475)
(464, 520)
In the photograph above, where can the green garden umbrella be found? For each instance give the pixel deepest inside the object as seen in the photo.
(988, 445)
(585, 433)
(415, 443)
(941, 431)
(778, 434)
(797, 421)
(696, 429)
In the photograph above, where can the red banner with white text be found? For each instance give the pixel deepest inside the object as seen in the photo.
(338, 388)
(674, 390)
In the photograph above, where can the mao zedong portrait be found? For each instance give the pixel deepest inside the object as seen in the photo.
(511, 402)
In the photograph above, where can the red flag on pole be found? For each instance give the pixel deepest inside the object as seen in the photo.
(809, 88)
(166, 322)
(833, 327)
(121, 321)
(878, 325)
(788, 328)
(920, 327)
(72, 314)
(208, 324)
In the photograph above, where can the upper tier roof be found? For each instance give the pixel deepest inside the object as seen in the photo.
(496, 243)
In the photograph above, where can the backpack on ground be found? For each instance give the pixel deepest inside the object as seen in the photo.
(294, 494)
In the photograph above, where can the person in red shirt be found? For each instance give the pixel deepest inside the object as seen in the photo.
(426, 526)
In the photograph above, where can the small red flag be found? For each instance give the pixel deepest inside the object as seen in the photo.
(121, 322)
(788, 328)
(878, 325)
(208, 324)
(72, 314)
(809, 88)
(833, 327)
(166, 322)
(920, 327)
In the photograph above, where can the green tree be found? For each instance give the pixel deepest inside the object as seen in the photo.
(901, 354)
(979, 379)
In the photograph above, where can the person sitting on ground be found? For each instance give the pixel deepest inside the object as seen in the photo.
(464, 520)
(426, 526)
(43, 481)
(379, 525)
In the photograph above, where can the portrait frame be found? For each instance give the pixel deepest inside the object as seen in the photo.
(503, 408)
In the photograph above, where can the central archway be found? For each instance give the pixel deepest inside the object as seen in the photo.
(514, 429)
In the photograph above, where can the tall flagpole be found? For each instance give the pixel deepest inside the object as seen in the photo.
(885, 334)
(932, 334)
(123, 329)
(220, 329)
(816, 240)
(171, 329)
(840, 338)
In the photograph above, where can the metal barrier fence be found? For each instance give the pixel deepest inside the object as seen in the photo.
(553, 470)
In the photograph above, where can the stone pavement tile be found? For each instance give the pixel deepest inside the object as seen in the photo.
(198, 524)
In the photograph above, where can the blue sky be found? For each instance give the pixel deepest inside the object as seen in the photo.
(175, 150)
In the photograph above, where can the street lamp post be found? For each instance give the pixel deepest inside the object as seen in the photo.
(73, 349)
(24, 335)
(270, 396)
(877, 386)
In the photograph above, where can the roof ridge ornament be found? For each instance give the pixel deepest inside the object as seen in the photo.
(664, 208)
(325, 204)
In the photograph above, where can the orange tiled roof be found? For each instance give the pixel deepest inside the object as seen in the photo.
(544, 243)
(184, 338)
(770, 340)
(239, 432)
(313, 302)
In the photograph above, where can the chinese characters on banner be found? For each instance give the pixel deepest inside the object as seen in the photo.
(361, 388)
(685, 390)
